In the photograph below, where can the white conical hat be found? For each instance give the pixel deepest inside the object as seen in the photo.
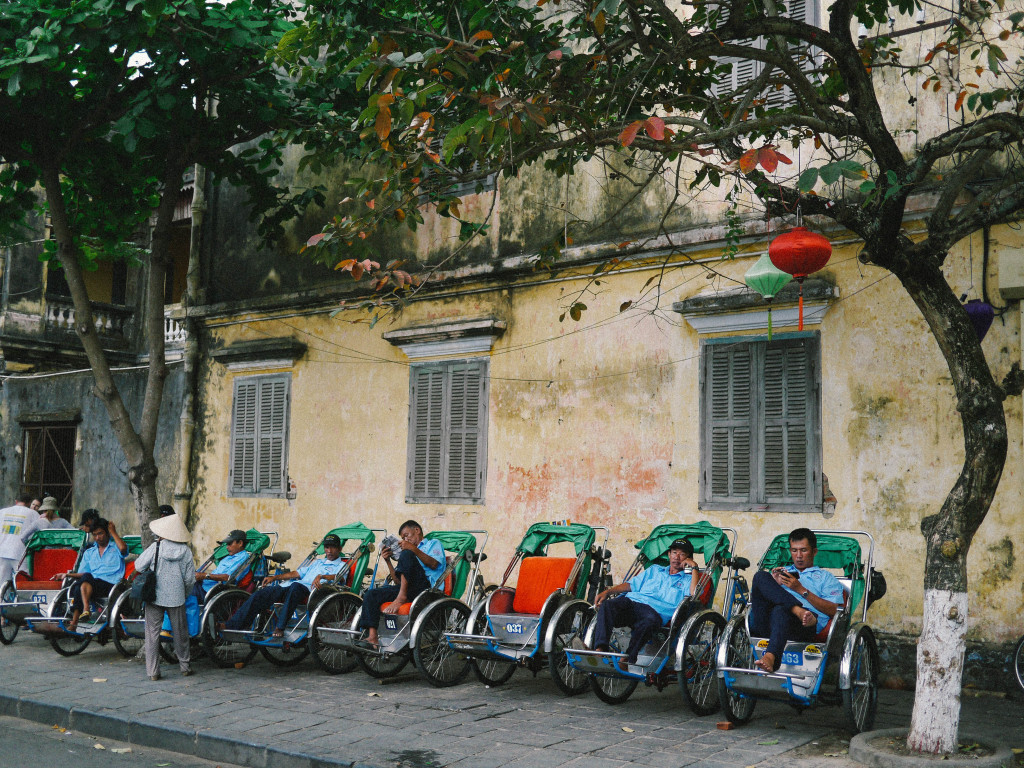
(171, 528)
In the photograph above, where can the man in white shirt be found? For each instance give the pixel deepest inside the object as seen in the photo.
(17, 524)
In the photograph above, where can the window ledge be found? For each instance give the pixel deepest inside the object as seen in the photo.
(447, 339)
(742, 309)
(260, 353)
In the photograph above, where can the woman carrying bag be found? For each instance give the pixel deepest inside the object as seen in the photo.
(170, 558)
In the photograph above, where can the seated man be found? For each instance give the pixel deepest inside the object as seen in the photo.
(654, 595)
(792, 603)
(290, 592)
(102, 567)
(235, 542)
(420, 564)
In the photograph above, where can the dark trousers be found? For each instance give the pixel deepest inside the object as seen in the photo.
(771, 614)
(264, 599)
(623, 612)
(198, 592)
(408, 566)
(100, 588)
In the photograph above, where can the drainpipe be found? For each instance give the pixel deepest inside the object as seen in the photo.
(186, 427)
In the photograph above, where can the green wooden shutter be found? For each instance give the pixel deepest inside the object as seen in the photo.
(273, 424)
(787, 401)
(466, 455)
(728, 375)
(242, 475)
(426, 431)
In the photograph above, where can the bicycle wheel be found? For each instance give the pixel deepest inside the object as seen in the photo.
(696, 674)
(860, 658)
(570, 625)
(435, 659)
(8, 629)
(63, 643)
(285, 656)
(127, 639)
(1018, 664)
(225, 653)
(491, 672)
(738, 708)
(336, 612)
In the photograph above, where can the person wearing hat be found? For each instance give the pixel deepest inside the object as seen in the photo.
(171, 558)
(231, 562)
(89, 517)
(654, 594)
(289, 588)
(49, 514)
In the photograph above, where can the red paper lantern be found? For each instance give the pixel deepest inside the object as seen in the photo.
(800, 252)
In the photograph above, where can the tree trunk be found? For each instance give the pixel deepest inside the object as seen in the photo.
(137, 445)
(948, 534)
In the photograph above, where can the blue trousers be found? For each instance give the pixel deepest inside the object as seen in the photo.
(264, 599)
(408, 566)
(771, 614)
(623, 612)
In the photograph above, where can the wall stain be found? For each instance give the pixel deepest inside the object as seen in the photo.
(1001, 568)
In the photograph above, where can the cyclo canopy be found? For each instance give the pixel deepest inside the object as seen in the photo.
(709, 541)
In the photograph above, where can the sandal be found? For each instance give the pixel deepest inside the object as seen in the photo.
(278, 634)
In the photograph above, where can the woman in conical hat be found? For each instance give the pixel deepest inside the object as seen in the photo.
(171, 558)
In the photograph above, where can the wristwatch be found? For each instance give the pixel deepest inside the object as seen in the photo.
(805, 593)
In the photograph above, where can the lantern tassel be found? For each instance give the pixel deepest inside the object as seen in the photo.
(800, 323)
(769, 319)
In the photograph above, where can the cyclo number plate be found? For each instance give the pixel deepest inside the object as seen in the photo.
(793, 658)
(390, 624)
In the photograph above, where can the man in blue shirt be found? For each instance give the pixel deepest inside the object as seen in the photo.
(101, 568)
(792, 603)
(420, 566)
(290, 592)
(654, 595)
(225, 569)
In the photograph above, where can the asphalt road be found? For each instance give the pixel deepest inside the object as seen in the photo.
(24, 744)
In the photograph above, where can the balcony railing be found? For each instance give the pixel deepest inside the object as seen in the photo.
(174, 328)
(111, 321)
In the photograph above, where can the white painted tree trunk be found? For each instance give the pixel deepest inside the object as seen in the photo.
(940, 666)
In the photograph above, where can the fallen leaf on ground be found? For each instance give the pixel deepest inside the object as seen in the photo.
(99, 679)
(835, 754)
(627, 730)
(98, 746)
(770, 743)
(121, 750)
(60, 728)
(373, 694)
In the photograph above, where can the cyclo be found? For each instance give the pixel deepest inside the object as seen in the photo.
(532, 623)
(840, 666)
(130, 624)
(99, 626)
(228, 647)
(682, 651)
(48, 552)
(416, 632)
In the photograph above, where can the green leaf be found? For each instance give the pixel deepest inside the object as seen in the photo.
(830, 173)
(807, 180)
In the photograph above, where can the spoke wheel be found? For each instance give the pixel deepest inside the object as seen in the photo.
(225, 653)
(196, 650)
(8, 629)
(287, 656)
(860, 700)
(569, 630)
(697, 682)
(337, 612)
(125, 608)
(388, 665)
(435, 659)
(490, 671)
(1018, 664)
(739, 709)
(65, 644)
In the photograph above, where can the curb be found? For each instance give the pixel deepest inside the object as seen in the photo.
(207, 745)
(862, 751)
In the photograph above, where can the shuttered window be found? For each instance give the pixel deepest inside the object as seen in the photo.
(447, 432)
(259, 436)
(745, 70)
(760, 424)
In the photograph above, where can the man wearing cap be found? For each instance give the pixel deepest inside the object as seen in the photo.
(654, 594)
(291, 589)
(49, 514)
(89, 518)
(206, 580)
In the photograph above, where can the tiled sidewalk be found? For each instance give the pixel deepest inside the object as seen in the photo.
(266, 716)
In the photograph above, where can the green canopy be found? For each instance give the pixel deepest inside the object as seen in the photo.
(255, 542)
(835, 552)
(457, 544)
(540, 536)
(134, 544)
(64, 538)
(707, 540)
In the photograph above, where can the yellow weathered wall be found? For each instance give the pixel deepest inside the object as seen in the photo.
(597, 421)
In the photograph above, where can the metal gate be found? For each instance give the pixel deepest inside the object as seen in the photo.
(48, 463)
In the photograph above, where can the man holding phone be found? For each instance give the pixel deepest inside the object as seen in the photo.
(794, 602)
